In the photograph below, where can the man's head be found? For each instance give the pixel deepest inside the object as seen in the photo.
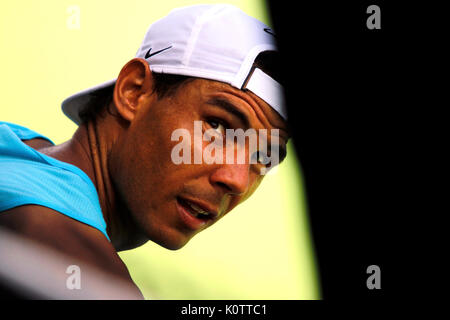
(170, 202)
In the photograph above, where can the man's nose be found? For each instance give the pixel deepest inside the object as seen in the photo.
(233, 178)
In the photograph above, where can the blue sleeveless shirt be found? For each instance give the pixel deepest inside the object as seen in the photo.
(30, 177)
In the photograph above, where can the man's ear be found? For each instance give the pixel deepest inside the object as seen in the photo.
(133, 88)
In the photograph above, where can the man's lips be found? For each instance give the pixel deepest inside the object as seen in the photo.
(195, 213)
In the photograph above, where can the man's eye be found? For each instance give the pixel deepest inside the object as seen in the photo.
(216, 125)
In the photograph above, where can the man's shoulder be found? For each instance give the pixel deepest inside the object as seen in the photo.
(30, 177)
(70, 241)
(61, 233)
(51, 228)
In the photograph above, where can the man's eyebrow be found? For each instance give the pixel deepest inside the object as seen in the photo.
(231, 108)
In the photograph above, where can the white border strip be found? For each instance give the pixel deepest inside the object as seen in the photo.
(267, 89)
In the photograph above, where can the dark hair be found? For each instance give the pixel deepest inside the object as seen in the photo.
(164, 85)
(167, 85)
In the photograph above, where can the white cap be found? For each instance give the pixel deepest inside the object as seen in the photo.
(217, 42)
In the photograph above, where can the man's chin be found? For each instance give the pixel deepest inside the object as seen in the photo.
(171, 242)
(169, 236)
(172, 245)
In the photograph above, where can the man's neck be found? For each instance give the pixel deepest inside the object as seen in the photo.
(88, 150)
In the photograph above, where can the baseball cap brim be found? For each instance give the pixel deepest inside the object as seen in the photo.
(73, 104)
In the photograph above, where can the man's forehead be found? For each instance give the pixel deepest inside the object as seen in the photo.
(250, 102)
(274, 118)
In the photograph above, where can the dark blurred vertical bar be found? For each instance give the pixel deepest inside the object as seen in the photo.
(344, 103)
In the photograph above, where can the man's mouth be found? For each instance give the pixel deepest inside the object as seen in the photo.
(196, 210)
(195, 214)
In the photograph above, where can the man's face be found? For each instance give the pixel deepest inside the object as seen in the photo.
(166, 200)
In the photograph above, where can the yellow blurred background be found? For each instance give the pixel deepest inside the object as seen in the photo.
(51, 49)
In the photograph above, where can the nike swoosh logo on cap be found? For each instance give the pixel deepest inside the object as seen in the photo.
(269, 31)
(148, 54)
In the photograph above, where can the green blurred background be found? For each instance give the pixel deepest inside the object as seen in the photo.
(51, 49)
